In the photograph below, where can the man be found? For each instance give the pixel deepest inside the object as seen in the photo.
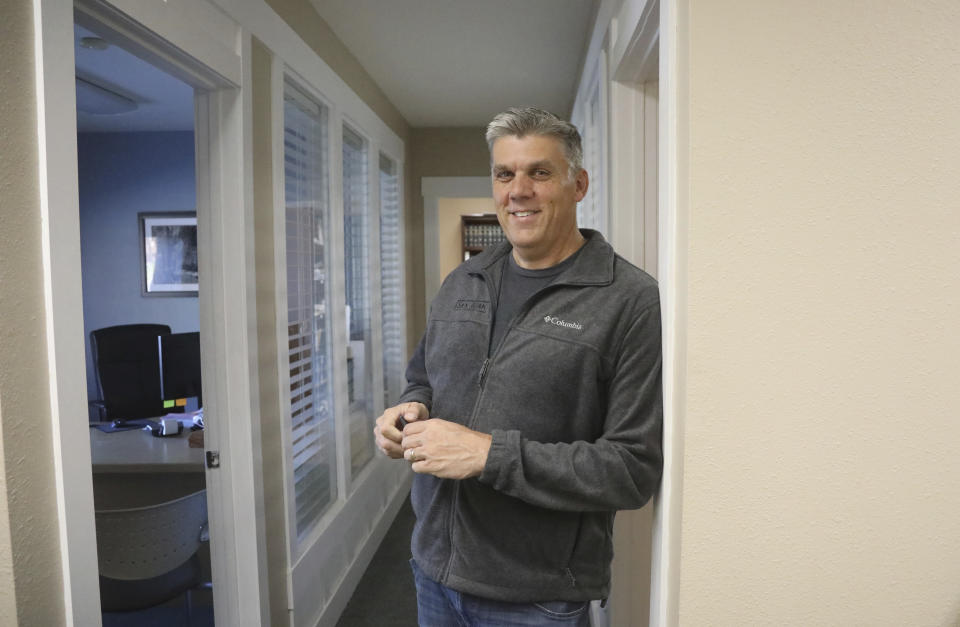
(533, 408)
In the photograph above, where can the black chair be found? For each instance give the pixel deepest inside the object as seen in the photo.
(125, 360)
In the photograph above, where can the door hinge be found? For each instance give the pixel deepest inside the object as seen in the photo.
(213, 459)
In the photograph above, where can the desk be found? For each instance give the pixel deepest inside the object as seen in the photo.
(137, 451)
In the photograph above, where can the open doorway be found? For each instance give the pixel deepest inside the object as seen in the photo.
(138, 238)
(202, 47)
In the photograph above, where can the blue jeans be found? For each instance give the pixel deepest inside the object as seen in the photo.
(439, 606)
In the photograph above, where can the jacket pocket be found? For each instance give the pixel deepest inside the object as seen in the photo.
(496, 534)
(575, 545)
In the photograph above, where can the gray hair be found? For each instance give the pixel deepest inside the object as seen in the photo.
(522, 121)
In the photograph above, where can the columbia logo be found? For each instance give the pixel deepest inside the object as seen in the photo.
(562, 323)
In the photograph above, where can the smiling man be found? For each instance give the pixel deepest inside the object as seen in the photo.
(533, 410)
(536, 191)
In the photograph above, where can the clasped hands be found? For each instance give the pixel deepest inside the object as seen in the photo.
(433, 446)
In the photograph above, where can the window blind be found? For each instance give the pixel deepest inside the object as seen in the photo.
(356, 236)
(390, 281)
(312, 450)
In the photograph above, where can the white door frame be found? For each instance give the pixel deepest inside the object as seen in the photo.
(433, 188)
(672, 270)
(647, 48)
(203, 53)
(63, 304)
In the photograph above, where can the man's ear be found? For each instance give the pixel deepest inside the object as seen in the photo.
(582, 181)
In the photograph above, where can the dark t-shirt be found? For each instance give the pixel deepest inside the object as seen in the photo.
(516, 286)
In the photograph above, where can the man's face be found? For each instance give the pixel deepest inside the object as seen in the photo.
(535, 197)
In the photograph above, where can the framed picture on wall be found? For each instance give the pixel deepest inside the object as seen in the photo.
(168, 254)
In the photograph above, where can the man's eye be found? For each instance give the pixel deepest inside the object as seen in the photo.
(541, 173)
(503, 175)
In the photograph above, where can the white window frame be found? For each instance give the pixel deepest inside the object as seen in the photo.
(327, 562)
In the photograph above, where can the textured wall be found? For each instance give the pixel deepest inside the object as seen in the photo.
(31, 589)
(821, 471)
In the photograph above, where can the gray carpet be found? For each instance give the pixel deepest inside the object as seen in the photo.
(385, 596)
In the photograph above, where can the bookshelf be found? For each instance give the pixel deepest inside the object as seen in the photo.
(478, 232)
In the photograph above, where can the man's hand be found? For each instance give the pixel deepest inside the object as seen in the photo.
(445, 449)
(387, 432)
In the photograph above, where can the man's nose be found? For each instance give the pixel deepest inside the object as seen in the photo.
(521, 187)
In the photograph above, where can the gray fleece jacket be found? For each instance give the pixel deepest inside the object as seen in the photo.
(572, 398)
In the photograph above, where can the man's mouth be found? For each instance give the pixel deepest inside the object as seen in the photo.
(522, 214)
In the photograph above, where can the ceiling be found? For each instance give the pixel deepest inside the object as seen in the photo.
(460, 62)
(441, 62)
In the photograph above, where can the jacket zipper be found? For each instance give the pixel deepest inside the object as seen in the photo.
(480, 379)
(483, 371)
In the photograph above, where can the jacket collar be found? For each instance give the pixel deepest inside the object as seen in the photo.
(593, 266)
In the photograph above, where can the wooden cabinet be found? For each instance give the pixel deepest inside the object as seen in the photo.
(478, 232)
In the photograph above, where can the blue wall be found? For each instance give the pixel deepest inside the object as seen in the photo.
(121, 175)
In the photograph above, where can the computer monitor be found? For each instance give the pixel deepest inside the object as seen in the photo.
(180, 370)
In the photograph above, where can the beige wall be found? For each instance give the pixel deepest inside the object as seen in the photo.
(821, 469)
(31, 590)
(450, 152)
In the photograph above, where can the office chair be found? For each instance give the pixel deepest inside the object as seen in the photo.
(149, 555)
(125, 361)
